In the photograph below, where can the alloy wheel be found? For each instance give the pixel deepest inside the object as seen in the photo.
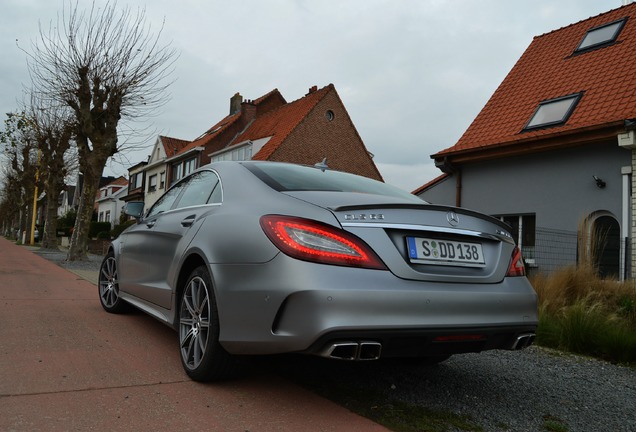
(194, 322)
(108, 284)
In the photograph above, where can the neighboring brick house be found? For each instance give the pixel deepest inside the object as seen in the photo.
(304, 131)
(554, 146)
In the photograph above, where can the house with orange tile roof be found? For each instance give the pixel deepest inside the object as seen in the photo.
(555, 146)
(109, 203)
(304, 131)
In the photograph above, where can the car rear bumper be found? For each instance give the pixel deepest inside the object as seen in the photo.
(421, 342)
(288, 305)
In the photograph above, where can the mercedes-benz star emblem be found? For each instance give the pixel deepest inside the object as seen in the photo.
(452, 218)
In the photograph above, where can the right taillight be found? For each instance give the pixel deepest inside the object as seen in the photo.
(516, 268)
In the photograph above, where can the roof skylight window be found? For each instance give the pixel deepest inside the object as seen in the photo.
(601, 36)
(553, 112)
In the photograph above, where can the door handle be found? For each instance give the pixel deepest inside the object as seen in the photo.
(188, 221)
(151, 223)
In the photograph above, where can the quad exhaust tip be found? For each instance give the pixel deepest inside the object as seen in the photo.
(523, 341)
(353, 351)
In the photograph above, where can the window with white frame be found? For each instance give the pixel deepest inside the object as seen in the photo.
(523, 230)
(189, 166)
(162, 180)
(182, 169)
(236, 154)
(177, 172)
(152, 183)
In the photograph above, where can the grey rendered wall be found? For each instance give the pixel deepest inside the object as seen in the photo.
(556, 186)
(442, 193)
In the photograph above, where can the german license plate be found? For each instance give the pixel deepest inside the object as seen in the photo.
(445, 252)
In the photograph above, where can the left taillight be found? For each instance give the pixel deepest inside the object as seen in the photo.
(516, 268)
(314, 241)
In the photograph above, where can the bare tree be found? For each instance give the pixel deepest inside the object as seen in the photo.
(106, 66)
(10, 196)
(55, 129)
(19, 147)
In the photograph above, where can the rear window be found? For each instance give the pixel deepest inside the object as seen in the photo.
(288, 177)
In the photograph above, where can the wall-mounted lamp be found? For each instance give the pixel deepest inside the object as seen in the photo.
(599, 182)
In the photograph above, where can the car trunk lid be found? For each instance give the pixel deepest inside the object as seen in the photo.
(421, 241)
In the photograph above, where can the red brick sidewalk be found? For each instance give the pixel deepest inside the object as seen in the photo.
(65, 365)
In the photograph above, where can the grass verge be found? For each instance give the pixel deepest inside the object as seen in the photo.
(583, 314)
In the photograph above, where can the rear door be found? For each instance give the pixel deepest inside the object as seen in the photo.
(153, 250)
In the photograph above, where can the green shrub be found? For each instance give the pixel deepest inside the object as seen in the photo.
(66, 223)
(103, 235)
(98, 227)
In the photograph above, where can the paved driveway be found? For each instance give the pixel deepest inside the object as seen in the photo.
(65, 364)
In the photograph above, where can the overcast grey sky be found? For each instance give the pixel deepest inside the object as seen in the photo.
(412, 73)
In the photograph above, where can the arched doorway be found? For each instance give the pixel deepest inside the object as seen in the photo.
(606, 244)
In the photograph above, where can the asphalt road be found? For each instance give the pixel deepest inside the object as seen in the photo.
(66, 365)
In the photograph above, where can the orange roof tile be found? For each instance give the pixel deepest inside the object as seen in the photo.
(280, 122)
(119, 181)
(547, 70)
(226, 123)
(172, 145)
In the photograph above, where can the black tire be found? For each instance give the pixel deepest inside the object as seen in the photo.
(202, 356)
(108, 286)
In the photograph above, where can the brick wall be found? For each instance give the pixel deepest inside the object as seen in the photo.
(317, 137)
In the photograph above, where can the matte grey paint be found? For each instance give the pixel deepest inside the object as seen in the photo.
(269, 302)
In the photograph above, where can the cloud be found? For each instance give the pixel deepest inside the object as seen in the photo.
(412, 74)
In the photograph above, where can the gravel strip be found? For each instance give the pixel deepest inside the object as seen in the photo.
(520, 390)
(499, 390)
(59, 258)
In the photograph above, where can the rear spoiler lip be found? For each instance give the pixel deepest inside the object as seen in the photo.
(424, 206)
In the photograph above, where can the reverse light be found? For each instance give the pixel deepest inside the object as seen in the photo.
(517, 268)
(314, 241)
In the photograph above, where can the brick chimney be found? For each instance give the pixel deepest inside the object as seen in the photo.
(312, 89)
(248, 112)
(235, 103)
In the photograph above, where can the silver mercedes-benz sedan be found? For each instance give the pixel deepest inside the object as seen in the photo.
(248, 258)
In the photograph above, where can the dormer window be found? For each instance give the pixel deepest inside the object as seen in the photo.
(553, 112)
(601, 36)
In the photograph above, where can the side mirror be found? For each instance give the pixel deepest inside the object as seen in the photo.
(134, 209)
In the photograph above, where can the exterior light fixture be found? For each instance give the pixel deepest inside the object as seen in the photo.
(599, 182)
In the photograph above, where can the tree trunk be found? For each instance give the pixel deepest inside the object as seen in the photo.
(78, 249)
(28, 218)
(92, 167)
(49, 240)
